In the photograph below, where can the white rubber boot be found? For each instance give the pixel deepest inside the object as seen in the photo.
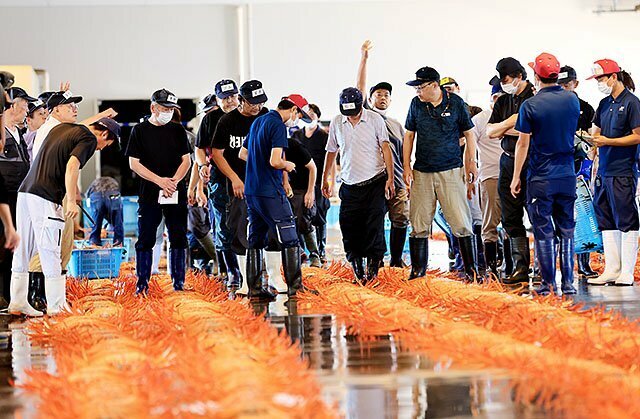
(56, 292)
(629, 254)
(273, 263)
(611, 240)
(242, 264)
(19, 289)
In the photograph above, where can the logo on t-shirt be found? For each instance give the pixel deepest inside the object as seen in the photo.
(235, 141)
(621, 108)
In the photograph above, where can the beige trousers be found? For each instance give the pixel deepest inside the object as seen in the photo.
(491, 209)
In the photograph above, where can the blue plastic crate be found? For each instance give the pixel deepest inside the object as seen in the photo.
(127, 254)
(95, 263)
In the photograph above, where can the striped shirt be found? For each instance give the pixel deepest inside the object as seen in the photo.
(360, 146)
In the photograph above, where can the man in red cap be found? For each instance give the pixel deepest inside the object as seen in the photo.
(547, 123)
(267, 205)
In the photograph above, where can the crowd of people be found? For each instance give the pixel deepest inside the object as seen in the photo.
(253, 186)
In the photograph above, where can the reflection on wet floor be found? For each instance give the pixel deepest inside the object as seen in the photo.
(365, 378)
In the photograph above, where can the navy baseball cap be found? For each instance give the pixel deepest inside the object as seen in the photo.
(19, 93)
(496, 88)
(165, 98)
(567, 74)
(506, 66)
(350, 101)
(62, 98)
(425, 75)
(209, 102)
(34, 106)
(225, 88)
(252, 92)
(112, 126)
(383, 85)
(44, 96)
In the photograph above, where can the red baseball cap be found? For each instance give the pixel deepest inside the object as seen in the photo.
(301, 103)
(546, 65)
(604, 67)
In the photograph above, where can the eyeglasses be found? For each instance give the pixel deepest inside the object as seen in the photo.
(424, 85)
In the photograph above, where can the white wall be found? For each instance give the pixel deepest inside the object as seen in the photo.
(315, 48)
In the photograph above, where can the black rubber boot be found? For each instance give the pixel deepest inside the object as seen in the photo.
(178, 267)
(547, 262)
(491, 257)
(311, 243)
(584, 266)
(257, 282)
(222, 267)
(521, 257)
(397, 238)
(507, 257)
(373, 266)
(291, 262)
(233, 270)
(566, 265)
(321, 236)
(457, 265)
(144, 259)
(481, 262)
(36, 295)
(466, 253)
(358, 268)
(419, 251)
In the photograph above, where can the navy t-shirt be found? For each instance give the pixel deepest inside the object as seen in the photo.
(617, 118)
(438, 132)
(267, 132)
(551, 118)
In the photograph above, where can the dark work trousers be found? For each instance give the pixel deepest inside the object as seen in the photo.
(6, 256)
(218, 213)
(198, 222)
(512, 208)
(106, 206)
(550, 205)
(270, 214)
(362, 210)
(304, 215)
(322, 207)
(149, 218)
(614, 203)
(237, 223)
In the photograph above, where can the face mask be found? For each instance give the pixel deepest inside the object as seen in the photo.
(311, 125)
(291, 122)
(509, 88)
(382, 112)
(163, 118)
(604, 88)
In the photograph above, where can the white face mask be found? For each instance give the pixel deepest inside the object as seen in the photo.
(291, 122)
(510, 88)
(311, 125)
(382, 112)
(163, 118)
(604, 88)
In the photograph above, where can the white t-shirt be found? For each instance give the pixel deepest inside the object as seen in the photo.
(42, 133)
(489, 150)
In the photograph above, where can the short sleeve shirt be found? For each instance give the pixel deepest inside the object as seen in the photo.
(46, 175)
(438, 131)
(160, 149)
(551, 118)
(586, 116)
(316, 146)
(617, 118)
(298, 154)
(267, 132)
(396, 138)
(506, 106)
(360, 146)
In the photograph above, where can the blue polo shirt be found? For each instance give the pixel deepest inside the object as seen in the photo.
(551, 117)
(267, 132)
(617, 118)
(438, 132)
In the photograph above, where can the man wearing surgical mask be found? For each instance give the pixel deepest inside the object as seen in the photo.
(314, 139)
(159, 152)
(512, 78)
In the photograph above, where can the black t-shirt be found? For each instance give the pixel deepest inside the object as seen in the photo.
(160, 149)
(586, 116)
(298, 154)
(46, 176)
(4, 198)
(231, 131)
(316, 146)
(204, 138)
(505, 106)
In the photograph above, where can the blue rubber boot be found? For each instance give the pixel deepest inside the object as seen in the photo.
(547, 262)
(144, 259)
(233, 270)
(458, 264)
(566, 265)
(178, 267)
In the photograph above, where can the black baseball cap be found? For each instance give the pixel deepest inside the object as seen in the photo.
(34, 106)
(44, 96)
(19, 93)
(383, 85)
(208, 103)
(506, 66)
(567, 74)
(252, 92)
(165, 98)
(425, 75)
(62, 98)
(351, 101)
(6, 79)
(225, 88)
(112, 126)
